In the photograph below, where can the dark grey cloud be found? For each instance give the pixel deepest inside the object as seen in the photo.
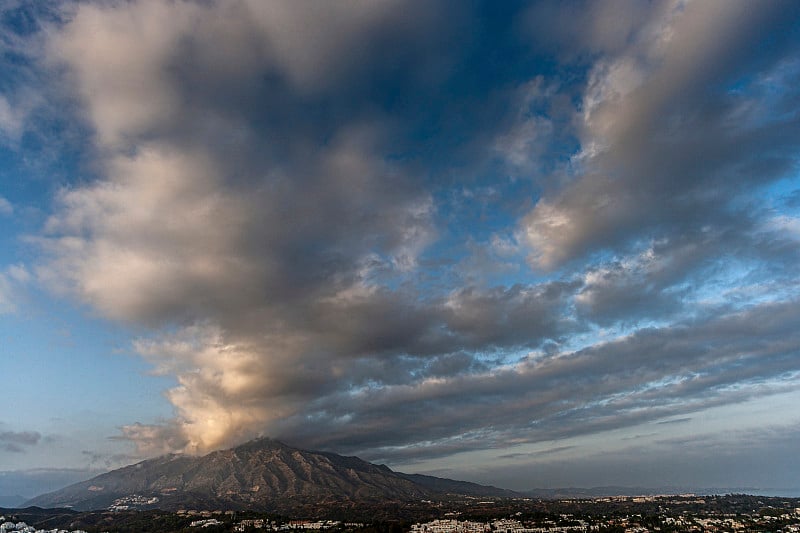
(652, 374)
(18, 441)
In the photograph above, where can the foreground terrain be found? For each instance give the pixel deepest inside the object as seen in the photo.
(456, 515)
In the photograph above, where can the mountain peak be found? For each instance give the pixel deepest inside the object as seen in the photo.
(262, 443)
(263, 474)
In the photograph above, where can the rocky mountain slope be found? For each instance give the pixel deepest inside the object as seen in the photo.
(263, 474)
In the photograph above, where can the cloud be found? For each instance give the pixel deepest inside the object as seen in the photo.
(271, 204)
(667, 144)
(8, 295)
(273, 255)
(11, 282)
(230, 391)
(539, 453)
(676, 420)
(573, 28)
(652, 374)
(13, 441)
(242, 49)
(10, 120)
(6, 209)
(534, 129)
(21, 99)
(267, 253)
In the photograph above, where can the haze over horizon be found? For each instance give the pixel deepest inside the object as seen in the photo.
(527, 244)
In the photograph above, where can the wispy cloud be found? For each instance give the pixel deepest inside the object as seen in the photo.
(6, 209)
(528, 455)
(675, 421)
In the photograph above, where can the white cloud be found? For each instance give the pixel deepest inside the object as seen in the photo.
(656, 135)
(11, 282)
(11, 121)
(7, 304)
(6, 208)
(16, 110)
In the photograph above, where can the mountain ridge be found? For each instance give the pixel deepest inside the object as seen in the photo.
(261, 474)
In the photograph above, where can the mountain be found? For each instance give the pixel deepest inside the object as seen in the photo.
(449, 486)
(262, 474)
(11, 501)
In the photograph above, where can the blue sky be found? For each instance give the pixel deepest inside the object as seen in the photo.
(530, 244)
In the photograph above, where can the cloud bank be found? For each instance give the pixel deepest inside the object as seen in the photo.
(336, 231)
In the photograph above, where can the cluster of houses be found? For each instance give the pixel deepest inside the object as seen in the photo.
(787, 521)
(9, 526)
(506, 525)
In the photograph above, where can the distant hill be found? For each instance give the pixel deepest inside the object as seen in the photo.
(450, 486)
(11, 501)
(602, 492)
(262, 474)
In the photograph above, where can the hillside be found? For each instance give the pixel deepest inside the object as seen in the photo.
(263, 474)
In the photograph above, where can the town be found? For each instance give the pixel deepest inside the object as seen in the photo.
(622, 514)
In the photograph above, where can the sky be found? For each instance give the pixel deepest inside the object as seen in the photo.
(535, 244)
